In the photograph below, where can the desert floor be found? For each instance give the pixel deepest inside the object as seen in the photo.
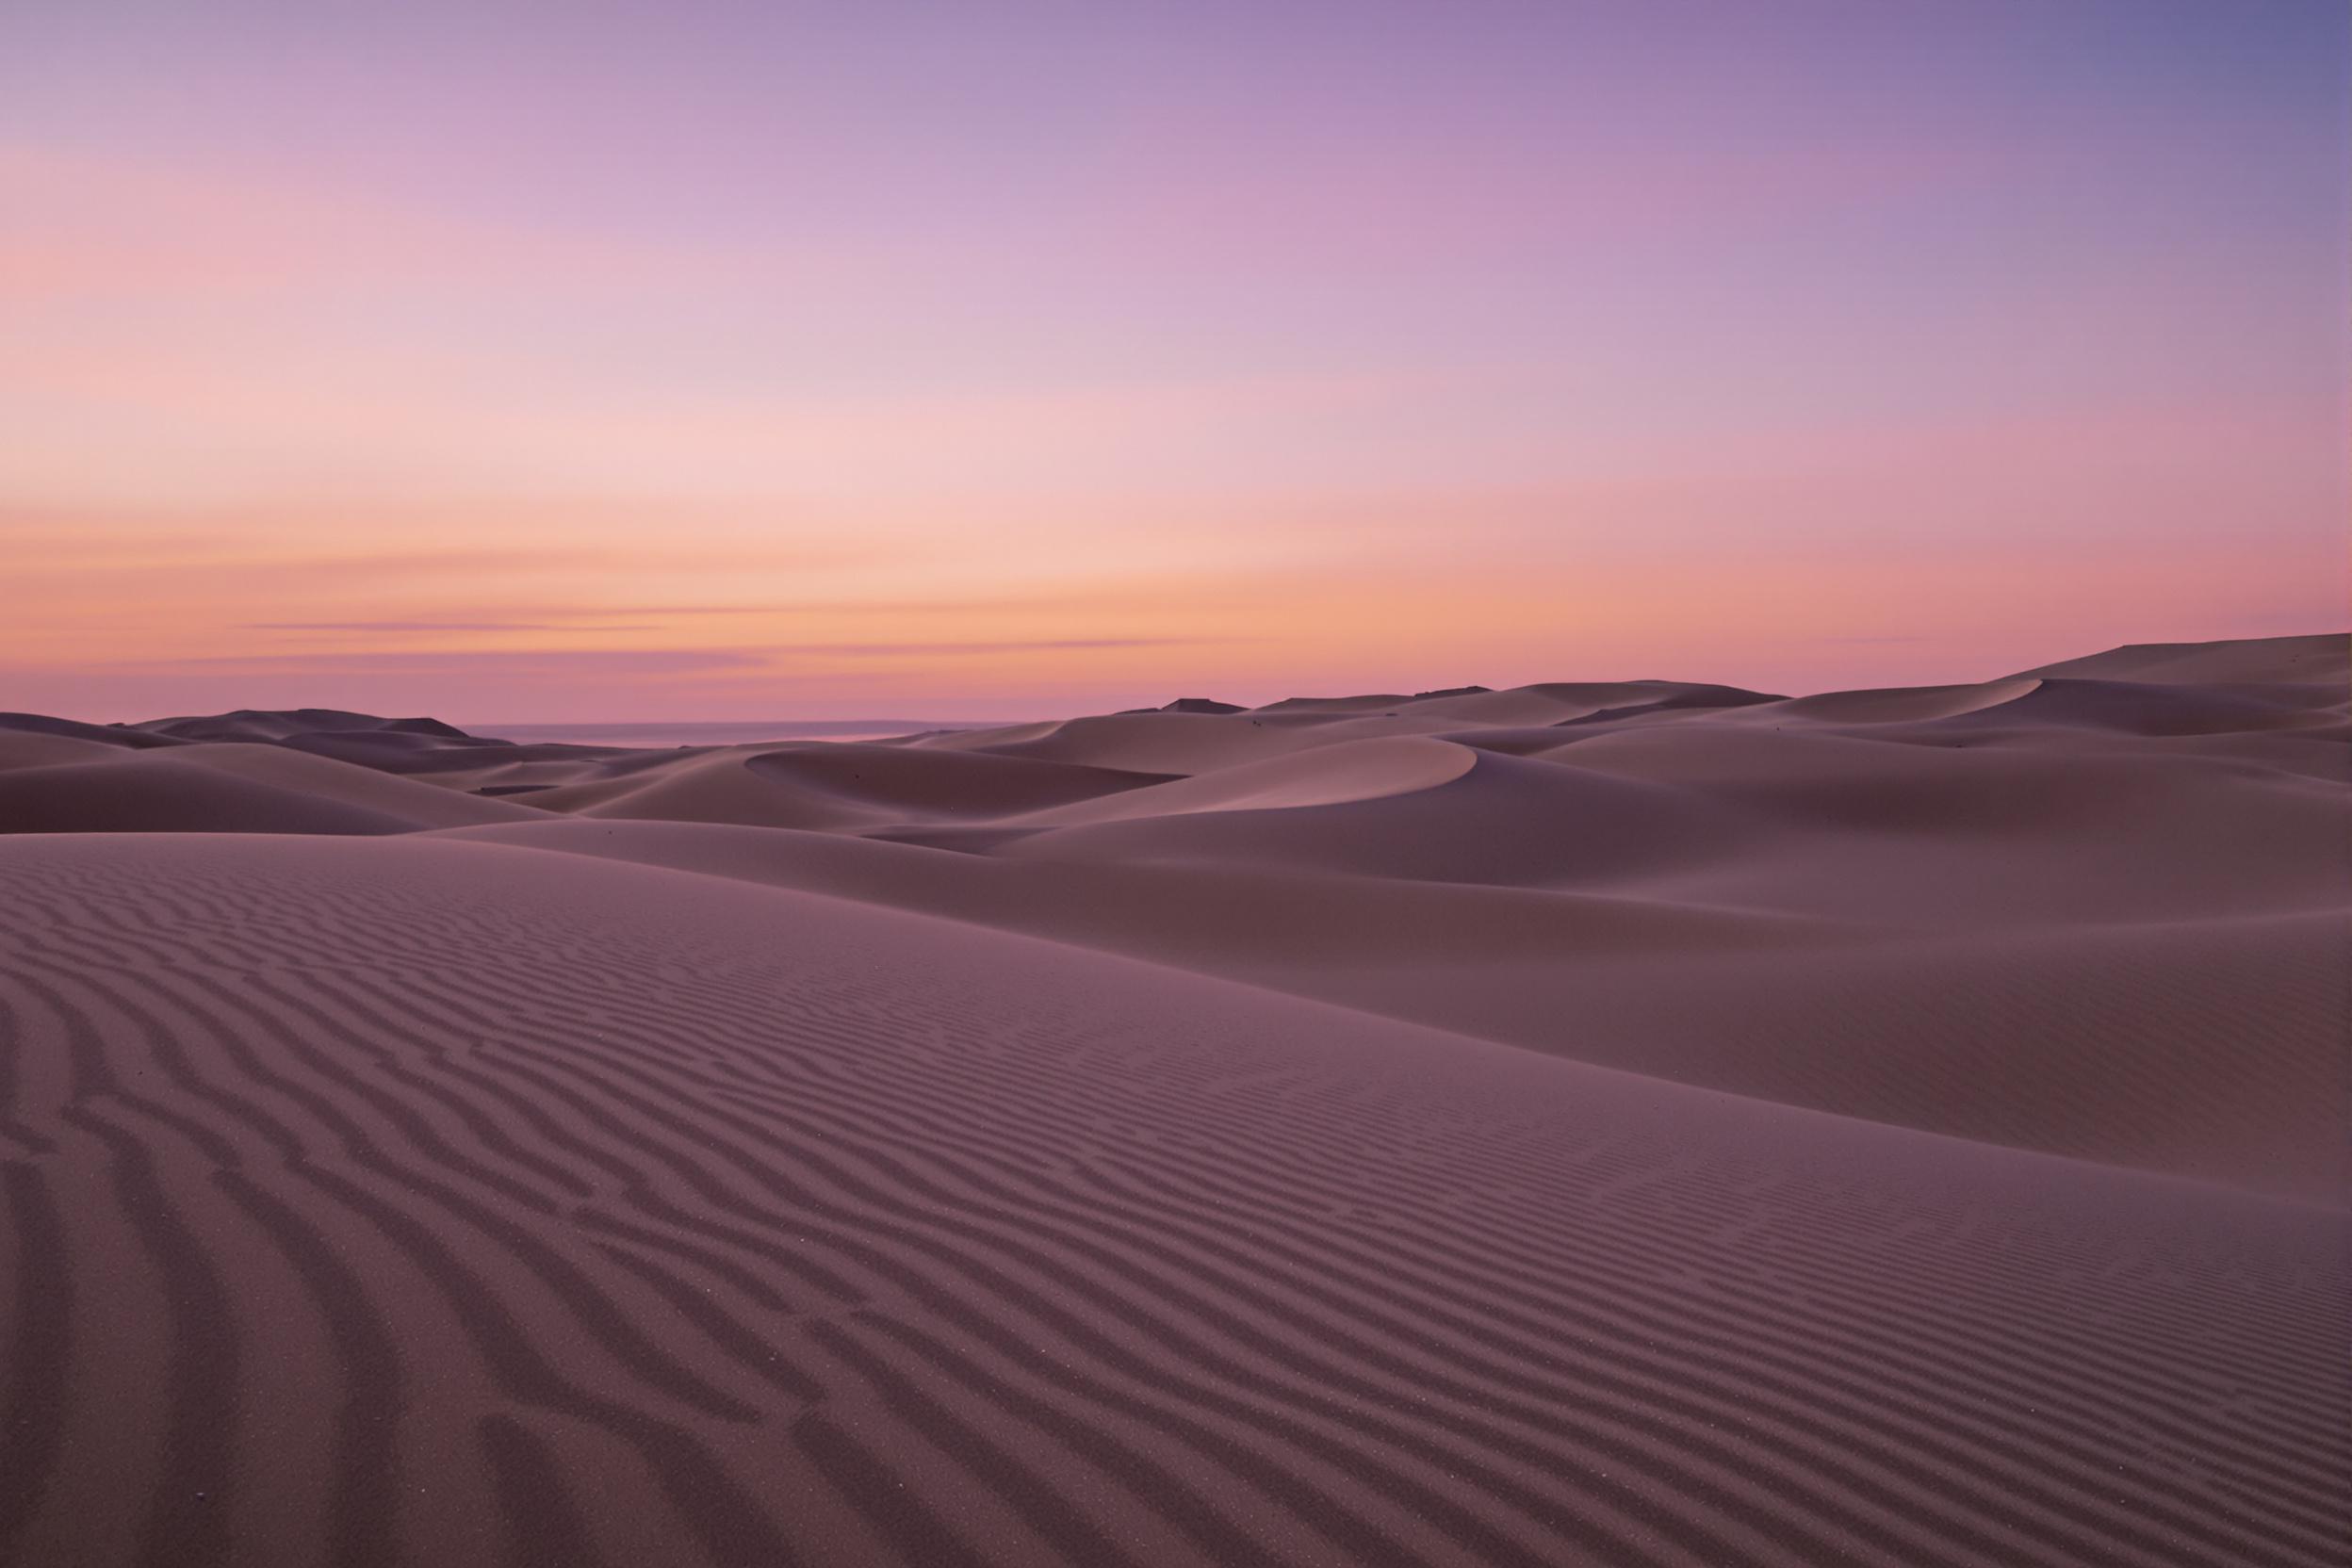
(1640, 1123)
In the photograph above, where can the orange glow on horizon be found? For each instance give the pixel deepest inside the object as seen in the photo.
(1150, 383)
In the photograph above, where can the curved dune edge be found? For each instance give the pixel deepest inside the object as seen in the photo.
(1184, 743)
(217, 788)
(640, 1218)
(1498, 821)
(41, 749)
(1328, 776)
(1898, 704)
(2322, 660)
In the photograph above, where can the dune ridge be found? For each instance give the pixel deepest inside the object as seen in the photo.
(1616, 1124)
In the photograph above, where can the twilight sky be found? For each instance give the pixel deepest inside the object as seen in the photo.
(771, 358)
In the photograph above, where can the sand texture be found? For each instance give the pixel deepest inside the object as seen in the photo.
(1637, 1123)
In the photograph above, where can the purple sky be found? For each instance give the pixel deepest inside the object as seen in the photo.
(702, 360)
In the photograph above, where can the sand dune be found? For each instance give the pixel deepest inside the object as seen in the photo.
(166, 795)
(945, 783)
(2123, 1042)
(1895, 705)
(1150, 743)
(113, 736)
(301, 723)
(833, 787)
(1331, 776)
(1616, 1124)
(227, 788)
(38, 748)
(2320, 660)
(426, 1198)
(1481, 817)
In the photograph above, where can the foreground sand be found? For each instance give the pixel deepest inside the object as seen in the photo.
(1891, 1128)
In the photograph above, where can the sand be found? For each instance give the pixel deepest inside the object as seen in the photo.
(1635, 1123)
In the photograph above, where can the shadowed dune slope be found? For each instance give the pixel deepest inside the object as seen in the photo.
(836, 787)
(205, 787)
(111, 735)
(2141, 707)
(2211, 1049)
(703, 786)
(250, 723)
(421, 805)
(42, 748)
(1892, 704)
(943, 783)
(162, 794)
(418, 1201)
(1927, 834)
(1204, 917)
(1146, 743)
(1328, 776)
(1476, 817)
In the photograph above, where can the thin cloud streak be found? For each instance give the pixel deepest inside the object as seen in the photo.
(1054, 644)
(428, 625)
(853, 364)
(479, 664)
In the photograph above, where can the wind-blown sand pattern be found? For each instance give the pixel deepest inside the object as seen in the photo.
(1642, 1124)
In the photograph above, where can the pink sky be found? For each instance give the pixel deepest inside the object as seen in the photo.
(607, 362)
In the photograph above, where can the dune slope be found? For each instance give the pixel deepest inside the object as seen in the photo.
(425, 1201)
(1627, 1122)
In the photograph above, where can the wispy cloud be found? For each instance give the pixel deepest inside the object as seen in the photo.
(427, 625)
(826, 607)
(488, 664)
(673, 610)
(1054, 644)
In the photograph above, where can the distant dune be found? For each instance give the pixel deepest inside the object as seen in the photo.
(723, 732)
(1645, 1123)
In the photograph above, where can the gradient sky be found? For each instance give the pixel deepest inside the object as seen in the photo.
(718, 358)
